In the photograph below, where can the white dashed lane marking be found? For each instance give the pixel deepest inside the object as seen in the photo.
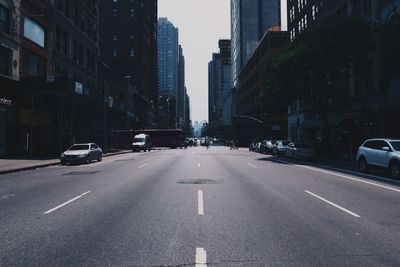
(201, 257)
(254, 166)
(66, 203)
(200, 204)
(333, 204)
(142, 166)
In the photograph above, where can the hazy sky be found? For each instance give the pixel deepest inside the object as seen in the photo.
(201, 24)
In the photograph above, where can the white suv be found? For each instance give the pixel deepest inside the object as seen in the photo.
(381, 153)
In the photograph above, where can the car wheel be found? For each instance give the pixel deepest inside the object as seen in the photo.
(100, 158)
(87, 160)
(395, 169)
(362, 165)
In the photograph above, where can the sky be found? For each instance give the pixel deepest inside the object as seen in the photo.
(201, 24)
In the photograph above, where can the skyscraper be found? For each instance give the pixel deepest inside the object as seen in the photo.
(250, 19)
(219, 81)
(168, 58)
(181, 89)
(128, 45)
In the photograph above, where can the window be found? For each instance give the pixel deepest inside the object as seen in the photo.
(132, 52)
(132, 12)
(395, 145)
(34, 32)
(33, 65)
(115, 52)
(115, 38)
(65, 44)
(131, 36)
(4, 20)
(5, 61)
(381, 144)
(115, 12)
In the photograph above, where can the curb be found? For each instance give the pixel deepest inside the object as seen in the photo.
(52, 164)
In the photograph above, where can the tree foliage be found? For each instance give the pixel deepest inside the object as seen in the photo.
(317, 68)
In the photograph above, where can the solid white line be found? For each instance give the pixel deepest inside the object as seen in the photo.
(346, 177)
(201, 257)
(198, 164)
(333, 204)
(141, 166)
(66, 203)
(200, 205)
(254, 166)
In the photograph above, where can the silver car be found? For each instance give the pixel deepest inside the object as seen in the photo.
(81, 153)
(380, 153)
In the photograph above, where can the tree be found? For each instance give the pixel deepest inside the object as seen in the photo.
(317, 69)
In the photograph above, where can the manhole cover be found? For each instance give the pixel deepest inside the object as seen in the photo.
(81, 173)
(199, 181)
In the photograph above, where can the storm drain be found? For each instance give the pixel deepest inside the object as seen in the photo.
(80, 173)
(200, 181)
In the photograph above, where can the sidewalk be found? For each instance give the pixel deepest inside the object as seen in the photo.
(15, 165)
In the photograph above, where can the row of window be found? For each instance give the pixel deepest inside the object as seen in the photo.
(131, 12)
(115, 37)
(71, 47)
(80, 18)
(292, 12)
(302, 23)
(115, 52)
(4, 19)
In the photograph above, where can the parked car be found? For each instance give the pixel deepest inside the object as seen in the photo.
(81, 153)
(280, 148)
(380, 153)
(257, 147)
(267, 146)
(299, 150)
(141, 142)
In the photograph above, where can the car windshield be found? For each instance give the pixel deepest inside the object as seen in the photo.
(79, 147)
(395, 145)
(138, 140)
(285, 143)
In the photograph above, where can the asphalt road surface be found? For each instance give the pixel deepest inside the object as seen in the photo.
(197, 207)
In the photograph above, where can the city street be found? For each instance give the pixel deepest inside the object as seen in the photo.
(197, 207)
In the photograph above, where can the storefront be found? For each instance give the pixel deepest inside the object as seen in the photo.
(5, 110)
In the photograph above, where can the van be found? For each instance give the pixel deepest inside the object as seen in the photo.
(141, 142)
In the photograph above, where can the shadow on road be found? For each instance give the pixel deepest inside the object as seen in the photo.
(375, 175)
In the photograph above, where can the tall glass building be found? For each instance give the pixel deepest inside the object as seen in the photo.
(168, 58)
(250, 19)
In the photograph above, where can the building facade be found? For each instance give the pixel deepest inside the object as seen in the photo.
(373, 98)
(181, 92)
(251, 110)
(219, 83)
(250, 19)
(128, 45)
(9, 71)
(168, 58)
(171, 74)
